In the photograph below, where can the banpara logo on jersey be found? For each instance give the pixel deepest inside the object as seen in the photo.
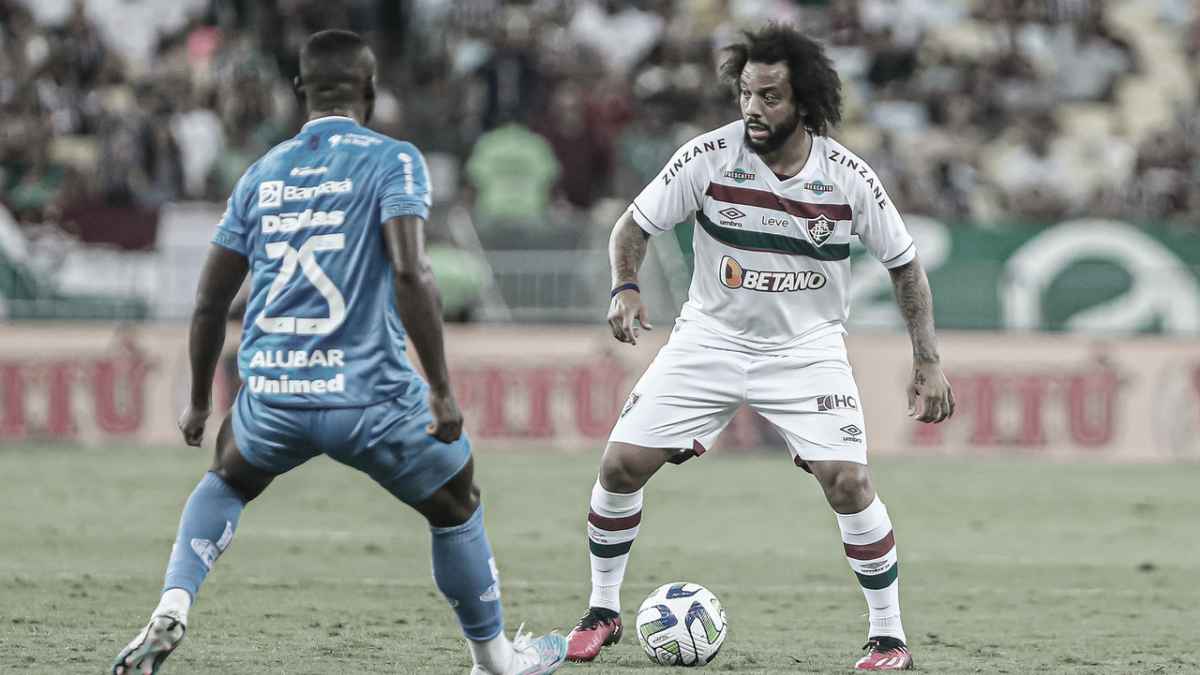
(273, 193)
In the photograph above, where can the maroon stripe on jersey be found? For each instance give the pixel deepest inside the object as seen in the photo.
(871, 551)
(770, 200)
(614, 524)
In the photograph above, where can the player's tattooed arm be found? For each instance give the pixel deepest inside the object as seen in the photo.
(220, 280)
(420, 307)
(626, 251)
(930, 398)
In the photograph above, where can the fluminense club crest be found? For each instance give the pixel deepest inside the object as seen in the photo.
(820, 229)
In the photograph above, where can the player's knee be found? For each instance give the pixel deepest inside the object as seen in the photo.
(247, 490)
(850, 490)
(618, 473)
(450, 507)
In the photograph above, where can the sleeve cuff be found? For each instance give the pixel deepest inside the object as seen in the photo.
(643, 222)
(903, 258)
(418, 209)
(230, 241)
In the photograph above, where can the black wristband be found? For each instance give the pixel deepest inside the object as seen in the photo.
(631, 286)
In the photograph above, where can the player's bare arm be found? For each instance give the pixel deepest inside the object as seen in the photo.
(930, 398)
(220, 280)
(626, 251)
(420, 307)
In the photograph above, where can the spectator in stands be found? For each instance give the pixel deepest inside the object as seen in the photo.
(513, 171)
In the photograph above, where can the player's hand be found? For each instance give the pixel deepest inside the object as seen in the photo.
(447, 419)
(191, 423)
(930, 398)
(625, 313)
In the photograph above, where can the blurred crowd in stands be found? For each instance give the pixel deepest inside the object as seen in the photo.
(543, 118)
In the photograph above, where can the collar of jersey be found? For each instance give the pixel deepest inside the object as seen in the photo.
(329, 118)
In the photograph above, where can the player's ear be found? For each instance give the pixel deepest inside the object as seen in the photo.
(298, 88)
(369, 96)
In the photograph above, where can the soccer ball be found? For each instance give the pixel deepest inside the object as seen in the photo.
(681, 624)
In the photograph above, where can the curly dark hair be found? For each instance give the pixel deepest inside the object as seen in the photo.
(816, 87)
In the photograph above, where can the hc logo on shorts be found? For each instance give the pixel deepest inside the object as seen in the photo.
(836, 402)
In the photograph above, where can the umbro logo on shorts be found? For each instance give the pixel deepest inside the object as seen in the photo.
(853, 434)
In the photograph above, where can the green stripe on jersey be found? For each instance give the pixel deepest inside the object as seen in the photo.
(771, 243)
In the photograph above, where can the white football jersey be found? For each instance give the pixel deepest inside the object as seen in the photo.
(772, 255)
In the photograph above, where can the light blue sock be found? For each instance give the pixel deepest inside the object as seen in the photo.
(205, 530)
(465, 572)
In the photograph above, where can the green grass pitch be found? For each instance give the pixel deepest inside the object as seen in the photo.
(1008, 566)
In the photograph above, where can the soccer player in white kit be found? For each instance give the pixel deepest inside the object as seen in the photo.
(776, 202)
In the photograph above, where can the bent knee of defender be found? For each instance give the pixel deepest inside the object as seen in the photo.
(626, 468)
(849, 490)
(450, 507)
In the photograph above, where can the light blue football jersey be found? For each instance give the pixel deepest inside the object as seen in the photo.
(321, 327)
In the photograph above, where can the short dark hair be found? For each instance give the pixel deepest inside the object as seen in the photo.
(336, 67)
(816, 87)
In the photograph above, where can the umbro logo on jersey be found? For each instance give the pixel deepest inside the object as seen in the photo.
(733, 275)
(820, 229)
(732, 213)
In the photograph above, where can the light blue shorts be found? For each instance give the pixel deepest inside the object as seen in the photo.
(387, 441)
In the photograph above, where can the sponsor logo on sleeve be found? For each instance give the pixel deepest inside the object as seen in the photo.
(864, 172)
(733, 275)
(687, 154)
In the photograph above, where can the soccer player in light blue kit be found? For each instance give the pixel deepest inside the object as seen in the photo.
(329, 226)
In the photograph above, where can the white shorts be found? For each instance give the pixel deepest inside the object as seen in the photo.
(692, 389)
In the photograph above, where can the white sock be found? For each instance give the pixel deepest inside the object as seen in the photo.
(494, 656)
(176, 602)
(613, 522)
(871, 551)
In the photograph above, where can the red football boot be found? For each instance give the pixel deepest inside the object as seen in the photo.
(885, 653)
(598, 628)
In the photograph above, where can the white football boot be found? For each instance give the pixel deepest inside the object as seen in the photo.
(146, 653)
(533, 656)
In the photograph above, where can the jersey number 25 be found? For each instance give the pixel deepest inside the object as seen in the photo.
(306, 260)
